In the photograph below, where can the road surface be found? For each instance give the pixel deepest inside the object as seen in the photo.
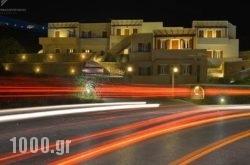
(168, 134)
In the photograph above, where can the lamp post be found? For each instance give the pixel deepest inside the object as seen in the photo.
(129, 72)
(174, 70)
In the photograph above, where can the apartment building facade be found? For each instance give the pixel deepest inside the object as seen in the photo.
(219, 39)
(152, 50)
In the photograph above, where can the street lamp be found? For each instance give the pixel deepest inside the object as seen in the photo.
(174, 70)
(130, 69)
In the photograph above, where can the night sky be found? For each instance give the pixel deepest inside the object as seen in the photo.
(172, 13)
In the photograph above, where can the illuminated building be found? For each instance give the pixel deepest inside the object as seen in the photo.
(148, 48)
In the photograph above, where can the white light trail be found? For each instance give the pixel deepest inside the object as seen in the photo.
(47, 108)
(226, 107)
(15, 117)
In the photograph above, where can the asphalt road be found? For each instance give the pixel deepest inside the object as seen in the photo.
(169, 134)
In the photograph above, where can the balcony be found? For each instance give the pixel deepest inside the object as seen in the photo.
(57, 41)
(212, 40)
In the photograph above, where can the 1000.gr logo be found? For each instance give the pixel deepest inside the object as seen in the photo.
(62, 146)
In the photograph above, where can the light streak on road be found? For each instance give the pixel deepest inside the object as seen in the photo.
(14, 117)
(106, 133)
(210, 148)
(227, 91)
(57, 107)
(146, 134)
(130, 127)
(8, 92)
(25, 86)
(226, 107)
(137, 91)
(113, 131)
(32, 95)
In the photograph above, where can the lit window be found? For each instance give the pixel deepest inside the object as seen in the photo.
(174, 44)
(126, 51)
(57, 34)
(87, 51)
(210, 53)
(201, 33)
(126, 32)
(218, 54)
(70, 50)
(218, 33)
(159, 44)
(118, 32)
(209, 34)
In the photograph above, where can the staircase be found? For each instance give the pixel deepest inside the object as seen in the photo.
(116, 49)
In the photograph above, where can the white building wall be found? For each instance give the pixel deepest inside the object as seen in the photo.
(96, 28)
(64, 29)
(63, 32)
(123, 28)
(148, 27)
(231, 30)
(230, 49)
(94, 45)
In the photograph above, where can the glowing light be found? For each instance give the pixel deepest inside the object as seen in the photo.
(222, 100)
(198, 93)
(37, 69)
(175, 69)
(130, 69)
(51, 57)
(83, 56)
(23, 57)
(6, 67)
(72, 71)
